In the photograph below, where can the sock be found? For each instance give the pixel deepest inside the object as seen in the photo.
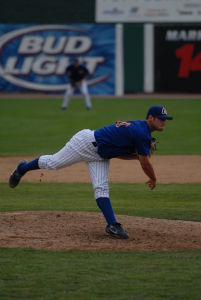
(32, 165)
(106, 207)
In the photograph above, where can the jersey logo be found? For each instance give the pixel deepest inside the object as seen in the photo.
(121, 123)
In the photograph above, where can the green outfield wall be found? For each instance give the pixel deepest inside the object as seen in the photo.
(47, 12)
(133, 48)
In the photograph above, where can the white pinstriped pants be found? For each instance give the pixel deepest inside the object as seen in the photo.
(80, 148)
(83, 87)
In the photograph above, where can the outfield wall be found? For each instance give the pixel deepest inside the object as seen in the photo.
(122, 58)
(47, 12)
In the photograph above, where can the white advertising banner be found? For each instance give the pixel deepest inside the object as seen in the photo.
(148, 11)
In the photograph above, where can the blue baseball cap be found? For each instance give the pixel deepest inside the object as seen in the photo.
(158, 112)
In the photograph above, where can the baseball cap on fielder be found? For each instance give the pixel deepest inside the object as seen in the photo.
(158, 112)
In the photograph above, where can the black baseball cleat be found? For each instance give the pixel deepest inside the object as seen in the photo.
(116, 231)
(16, 176)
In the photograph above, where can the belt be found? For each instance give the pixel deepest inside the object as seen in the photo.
(94, 144)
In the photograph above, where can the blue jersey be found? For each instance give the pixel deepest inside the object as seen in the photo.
(123, 138)
(77, 73)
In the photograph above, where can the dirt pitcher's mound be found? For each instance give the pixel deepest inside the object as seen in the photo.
(85, 231)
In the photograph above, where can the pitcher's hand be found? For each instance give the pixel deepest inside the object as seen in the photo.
(151, 183)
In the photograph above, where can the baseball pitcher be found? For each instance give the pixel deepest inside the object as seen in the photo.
(124, 140)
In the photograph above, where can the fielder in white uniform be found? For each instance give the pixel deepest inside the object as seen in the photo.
(125, 140)
(77, 81)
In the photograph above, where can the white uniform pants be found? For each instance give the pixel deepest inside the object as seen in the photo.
(80, 148)
(83, 87)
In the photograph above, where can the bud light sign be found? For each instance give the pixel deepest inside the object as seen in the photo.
(35, 58)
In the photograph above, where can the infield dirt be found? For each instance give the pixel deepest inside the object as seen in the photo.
(169, 169)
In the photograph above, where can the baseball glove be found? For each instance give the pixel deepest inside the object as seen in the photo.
(75, 84)
(153, 148)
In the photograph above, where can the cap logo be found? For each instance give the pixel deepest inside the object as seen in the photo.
(164, 111)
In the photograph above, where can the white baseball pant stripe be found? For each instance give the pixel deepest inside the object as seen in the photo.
(80, 148)
(84, 90)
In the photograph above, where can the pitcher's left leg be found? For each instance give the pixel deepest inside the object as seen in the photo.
(63, 158)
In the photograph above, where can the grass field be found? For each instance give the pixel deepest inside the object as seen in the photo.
(174, 201)
(38, 126)
(29, 274)
(34, 126)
